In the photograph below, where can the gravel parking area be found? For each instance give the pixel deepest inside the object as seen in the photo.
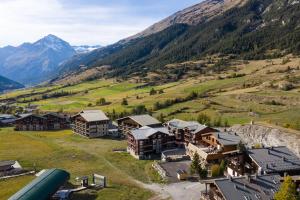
(177, 191)
(172, 167)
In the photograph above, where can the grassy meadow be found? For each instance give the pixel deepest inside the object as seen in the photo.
(79, 156)
(234, 99)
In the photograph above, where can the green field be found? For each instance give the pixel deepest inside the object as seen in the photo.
(79, 156)
(227, 97)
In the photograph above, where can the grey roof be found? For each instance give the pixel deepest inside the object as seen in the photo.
(226, 138)
(7, 116)
(259, 187)
(193, 126)
(275, 159)
(7, 163)
(144, 132)
(23, 116)
(59, 115)
(93, 115)
(143, 120)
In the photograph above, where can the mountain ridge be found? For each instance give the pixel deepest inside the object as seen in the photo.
(7, 84)
(36, 60)
(249, 30)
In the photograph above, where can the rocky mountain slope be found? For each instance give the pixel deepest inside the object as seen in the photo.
(268, 136)
(32, 63)
(193, 15)
(7, 84)
(243, 29)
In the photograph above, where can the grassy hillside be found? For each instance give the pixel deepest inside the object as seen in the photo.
(266, 91)
(79, 156)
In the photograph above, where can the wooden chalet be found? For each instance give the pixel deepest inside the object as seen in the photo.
(215, 146)
(91, 123)
(146, 142)
(270, 160)
(31, 122)
(35, 122)
(187, 131)
(238, 188)
(126, 124)
(57, 121)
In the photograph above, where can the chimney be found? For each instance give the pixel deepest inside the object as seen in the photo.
(248, 178)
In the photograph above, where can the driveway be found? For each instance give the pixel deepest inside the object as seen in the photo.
(172, 167)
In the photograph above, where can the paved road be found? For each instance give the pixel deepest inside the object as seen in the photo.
(177, 191)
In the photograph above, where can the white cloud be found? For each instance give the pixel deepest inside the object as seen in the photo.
(29, 20)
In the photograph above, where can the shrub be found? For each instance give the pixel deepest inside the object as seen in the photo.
(124, 102)
(152, 92)
(215, 170)
(101, 102)
(203, 119)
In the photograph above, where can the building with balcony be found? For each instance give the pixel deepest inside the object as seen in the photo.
(57, 121)
(31, 122)
(147, 142)
(126, 124)
(238, 188)
(187, 131)
(274, 160)
(91, 123)
(214, 147)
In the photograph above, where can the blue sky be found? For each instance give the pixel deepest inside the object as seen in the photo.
(81, 21)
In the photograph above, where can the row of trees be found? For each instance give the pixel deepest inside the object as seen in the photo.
(170, 102)
(217, 122)
(137, 110)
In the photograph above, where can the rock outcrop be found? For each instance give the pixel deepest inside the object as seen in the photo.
(267, 136)
(193, 15)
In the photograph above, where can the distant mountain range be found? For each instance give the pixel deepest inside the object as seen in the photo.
(33, 63)
(7, 84)
(245, 29)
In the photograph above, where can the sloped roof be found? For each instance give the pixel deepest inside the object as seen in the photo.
(7, 163)
(23, 116)
(143, 120)
(43, 187)
(145, 132)
(226, 138)
(55, 114)
(259, 187)
(193, 126)
(275, 159)
(93, 115)
(7, 116)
